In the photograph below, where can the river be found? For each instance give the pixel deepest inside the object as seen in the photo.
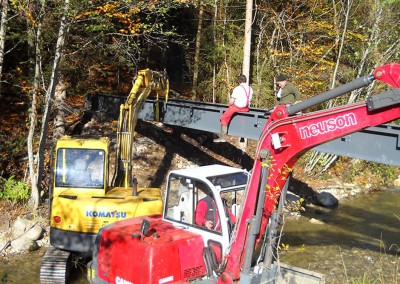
(358, 242)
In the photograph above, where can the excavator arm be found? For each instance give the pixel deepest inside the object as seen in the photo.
(285, 138)
(146, 83)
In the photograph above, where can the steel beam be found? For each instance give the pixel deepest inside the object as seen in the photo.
(378, 144)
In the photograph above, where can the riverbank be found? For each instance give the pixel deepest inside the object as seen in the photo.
(302, 198)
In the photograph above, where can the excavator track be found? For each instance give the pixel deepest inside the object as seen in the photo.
(55, 266)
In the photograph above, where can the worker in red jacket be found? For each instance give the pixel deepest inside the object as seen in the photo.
(207, 214)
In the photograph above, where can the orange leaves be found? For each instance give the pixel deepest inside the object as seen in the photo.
(108, 8)
(125, 20)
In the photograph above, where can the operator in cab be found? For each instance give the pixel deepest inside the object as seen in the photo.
(206, 214)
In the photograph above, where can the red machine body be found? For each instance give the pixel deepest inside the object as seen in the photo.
(172, 252)
(140, 258)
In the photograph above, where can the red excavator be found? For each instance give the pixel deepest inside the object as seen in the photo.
(238, 246)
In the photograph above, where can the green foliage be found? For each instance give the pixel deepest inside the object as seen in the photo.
(372, 175)
(364, 280)
(13, 190)
(283, 247)
(296, 206)
(13, 145)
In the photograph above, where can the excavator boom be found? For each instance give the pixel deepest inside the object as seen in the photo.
(286, 137)
(146, 82)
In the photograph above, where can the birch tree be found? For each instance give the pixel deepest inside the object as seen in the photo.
(49, 101)
(247, 39)
(34, 105)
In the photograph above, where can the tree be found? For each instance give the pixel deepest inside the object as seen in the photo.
(3, 29)
(247, 39)
(49, 100)
(197, 47)
(33, 175)
(60, 96)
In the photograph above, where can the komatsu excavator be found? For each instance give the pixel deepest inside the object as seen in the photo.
(82, 200)
(176, 247)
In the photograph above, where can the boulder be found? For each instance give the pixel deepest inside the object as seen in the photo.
(35, 233)
(20, 226)
(27, 229)
(327, 199)
(24, 234)
(24, 244)
(3, 242)
(397, 182)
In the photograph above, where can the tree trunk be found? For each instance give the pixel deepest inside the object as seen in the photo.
(197, 48)
(50, 93)
(35, 194)
(215, 41)
(59, 109)
(247, 39)
(3, 29)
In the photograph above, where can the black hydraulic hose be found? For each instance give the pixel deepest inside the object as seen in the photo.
(255, 221)
(208, 261)
(336, 92)
(276, 219)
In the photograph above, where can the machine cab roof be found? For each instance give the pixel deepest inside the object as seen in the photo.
(216, 186)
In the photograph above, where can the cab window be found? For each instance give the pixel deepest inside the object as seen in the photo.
(80, 168)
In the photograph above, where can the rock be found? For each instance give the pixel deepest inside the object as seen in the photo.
(3, 243)
(32, 245)
(326, 199)
(20, 226)
(291, 197)
(34, 233)
(316, 221)
(4, 223)
(23, 244)
(397, 182)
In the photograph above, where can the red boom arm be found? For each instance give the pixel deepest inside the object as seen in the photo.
(287, 138)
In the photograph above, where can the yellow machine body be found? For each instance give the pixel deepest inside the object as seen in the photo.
(82, 202)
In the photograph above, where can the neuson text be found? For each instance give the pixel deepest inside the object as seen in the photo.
(328, 125)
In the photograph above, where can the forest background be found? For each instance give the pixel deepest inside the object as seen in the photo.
(54, 51)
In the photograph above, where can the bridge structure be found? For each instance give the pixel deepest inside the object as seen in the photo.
(379, 144)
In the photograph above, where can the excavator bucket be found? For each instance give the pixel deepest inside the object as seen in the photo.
(285, 274)
(281, 273)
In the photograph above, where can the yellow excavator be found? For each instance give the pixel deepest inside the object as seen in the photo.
(82, 200)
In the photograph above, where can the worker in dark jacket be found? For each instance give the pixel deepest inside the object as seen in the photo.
(287, 93)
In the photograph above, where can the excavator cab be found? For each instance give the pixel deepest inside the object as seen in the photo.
(81, 166)
(198, 197)
(223, 192)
